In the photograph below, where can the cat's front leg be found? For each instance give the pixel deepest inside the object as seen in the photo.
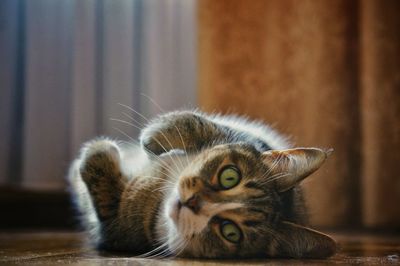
(185, 130)
(100, 170)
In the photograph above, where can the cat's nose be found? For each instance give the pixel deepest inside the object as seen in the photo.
(193, 203)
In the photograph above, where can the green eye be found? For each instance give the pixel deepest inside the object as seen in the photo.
(231, 231)
(229, 177)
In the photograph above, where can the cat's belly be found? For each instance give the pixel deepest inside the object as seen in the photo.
(139, 208)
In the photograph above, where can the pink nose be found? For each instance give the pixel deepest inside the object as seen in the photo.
(193, 203)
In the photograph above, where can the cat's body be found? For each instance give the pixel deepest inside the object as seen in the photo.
(198, 186)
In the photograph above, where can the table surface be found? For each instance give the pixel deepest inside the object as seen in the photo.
(52, 248)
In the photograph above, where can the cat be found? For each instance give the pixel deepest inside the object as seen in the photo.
(199, 186)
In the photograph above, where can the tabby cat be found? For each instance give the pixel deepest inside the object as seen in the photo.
(200, 186)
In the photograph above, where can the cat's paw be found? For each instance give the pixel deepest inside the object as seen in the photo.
(159, 137)
(100, 158)
(171, 131)
(101, 172)
(151, 140)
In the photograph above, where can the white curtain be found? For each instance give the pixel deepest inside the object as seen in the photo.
(70, 68)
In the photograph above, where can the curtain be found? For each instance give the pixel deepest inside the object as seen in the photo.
(326, 74)
(68, 68)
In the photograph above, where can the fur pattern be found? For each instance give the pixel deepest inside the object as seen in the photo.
(165, 196)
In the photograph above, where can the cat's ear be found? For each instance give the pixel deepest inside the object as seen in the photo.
(291, 166)
(296, 241)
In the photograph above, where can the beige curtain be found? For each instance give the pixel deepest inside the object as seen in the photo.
(65, 66)
(326, 73)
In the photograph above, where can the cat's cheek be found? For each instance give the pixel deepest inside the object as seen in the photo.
(174, 211)
(183, 224)
(172, 208)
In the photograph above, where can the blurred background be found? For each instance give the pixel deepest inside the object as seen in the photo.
(324, 73)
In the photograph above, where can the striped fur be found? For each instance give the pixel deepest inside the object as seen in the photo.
(164, 197)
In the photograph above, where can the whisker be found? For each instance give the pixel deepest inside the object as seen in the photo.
(133, 119)
(183, 144)
(159, 143)
(163, 111)
(172, 159)
(165, 137)
(136, 112)
(155, 250)
(152, 155)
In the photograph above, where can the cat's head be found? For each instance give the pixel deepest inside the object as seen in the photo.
(229, 203)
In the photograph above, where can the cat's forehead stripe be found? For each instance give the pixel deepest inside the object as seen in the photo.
(253, 223)
(212, 165)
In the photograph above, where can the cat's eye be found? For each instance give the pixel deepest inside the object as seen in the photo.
(229, 177)
(230, 231)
